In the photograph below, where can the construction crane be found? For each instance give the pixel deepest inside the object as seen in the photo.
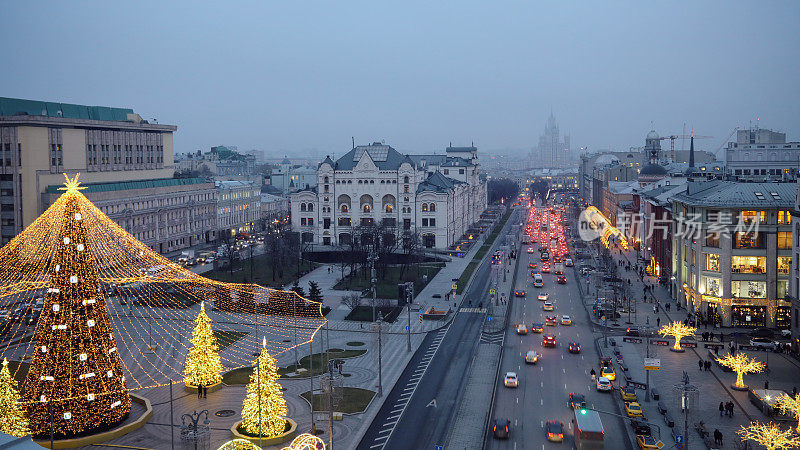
(679, 136)
(723, 142)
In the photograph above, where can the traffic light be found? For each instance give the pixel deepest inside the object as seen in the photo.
(583, 408)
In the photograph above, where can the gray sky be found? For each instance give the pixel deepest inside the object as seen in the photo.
(298, 76)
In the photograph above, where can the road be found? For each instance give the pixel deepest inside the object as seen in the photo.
(418, 411)
(544, 388)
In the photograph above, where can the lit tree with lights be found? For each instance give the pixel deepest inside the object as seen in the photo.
(203, 365)
(12, 414)
(75, 375)
(264, 409)
(677, 330)
(790, 405)
(741, 364)
(770, 436)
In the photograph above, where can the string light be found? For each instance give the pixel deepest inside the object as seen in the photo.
(741, 364)
(677, 330)
(12, 415)
(267, 418)
(111, 298)
(306, 441)
(790, 405)
(769, 435)
(202, 364)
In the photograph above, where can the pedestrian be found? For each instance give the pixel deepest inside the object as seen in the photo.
(708, 366)
(200, 390)
(700, 364)
(766, 385)
(794, 391)
(717, 436)
(205, 391)
(721, 409)
(730, 409)
(658, 322)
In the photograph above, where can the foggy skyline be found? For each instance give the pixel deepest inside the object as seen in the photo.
(286, 78)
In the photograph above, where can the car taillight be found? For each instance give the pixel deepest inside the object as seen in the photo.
(506, 428)
(495, 428)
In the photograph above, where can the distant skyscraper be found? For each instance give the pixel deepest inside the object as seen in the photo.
(552, 151)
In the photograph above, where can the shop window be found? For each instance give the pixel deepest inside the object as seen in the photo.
(749, 316)
(752, 239)
(784, 239)
(783, 317)
(749, 289)
(712, 286)
(783, 289)
(784, 264)
(748, 264)
(712, 262)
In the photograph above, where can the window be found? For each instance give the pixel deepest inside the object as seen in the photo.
(367, 208)
(303, 221)
(432, 222)
(406, 224)
(424, 222)
(302, 207)
(784, 264)
(783, 289)
(784, 239)
(712, 240)
(366, 221)
(749, 289)
(405, 179)
(405, 188)
(388, 208)
(751, 216)
(424, 207)
(311, 221)
(461, 171)
(751, 239)
(389, 222)
(784, 218)
(433, 207)
(712, 286)
(344, 221)
(748, 264)
(447, 171)
(310, 206)
(712, 262)
(325, 179)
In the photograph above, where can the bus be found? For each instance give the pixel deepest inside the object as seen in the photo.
(497, 257)
(589, 434)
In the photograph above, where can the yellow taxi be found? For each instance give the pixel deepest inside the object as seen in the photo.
(628, 394)
(646, 442)
(633, 409)
(609, 373)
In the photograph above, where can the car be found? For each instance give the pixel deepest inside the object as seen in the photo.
(511, 380)
(568, 262)
(786, 333)
(554, 431)
(604, 361)
(533, 265)
(646, 442)
(561, 279)
(763, 343)
(546, 268)
(531, 357)
(548, 306)
(608, 372)
(576, 401)
(632, 331)
(566, 320)
(574, 347)
(501, 428)
(640, 427)
(548, 340)
(543, 296)
(628, 394)
(604, 385)
(537, 328)
(519, 293)
(530, 250)
(551, 321)
(633, 409)
(522, 329)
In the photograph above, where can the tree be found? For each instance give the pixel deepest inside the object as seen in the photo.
(264, 408)
(790, 405)
(202, 363)
(769, 435)
(501, 188)
(741, 364)
(12, 414)
(352, 301)
(677, 330)
(75, 383)
(314, 292)
(297, 288)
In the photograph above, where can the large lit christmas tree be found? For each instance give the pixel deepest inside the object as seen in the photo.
(264, 409)
(75, 376)
(202, 363)
(12, 414)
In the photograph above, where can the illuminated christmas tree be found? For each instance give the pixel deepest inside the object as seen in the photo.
(790, 405)
(741, 364)
(12, 415)
(769, 435)
(677, 330)
(76, 371)
(202, 364)
(264, 409)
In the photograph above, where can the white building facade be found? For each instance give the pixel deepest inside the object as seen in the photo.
(437, 196)
(238, 206)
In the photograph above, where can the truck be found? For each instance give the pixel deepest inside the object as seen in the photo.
(589, 433)
(558, 268)
(186, 256)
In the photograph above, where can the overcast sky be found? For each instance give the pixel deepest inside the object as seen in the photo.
(300, 76)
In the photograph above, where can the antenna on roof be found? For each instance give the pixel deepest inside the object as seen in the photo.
(354, 141)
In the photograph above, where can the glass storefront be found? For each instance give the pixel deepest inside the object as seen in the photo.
(749, 289)
(783, 317)
(749, 316)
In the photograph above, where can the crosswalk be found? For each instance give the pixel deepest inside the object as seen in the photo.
(473, 310)
(399, 406)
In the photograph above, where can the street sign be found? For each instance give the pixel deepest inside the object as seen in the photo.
(406, 327)
(661, 342)
(660, 444)
(489, 318)
(492, 291)
(652, 364)
(454, 286)
(679, 439)
(688, 344)
(437, 447)
(632, 340)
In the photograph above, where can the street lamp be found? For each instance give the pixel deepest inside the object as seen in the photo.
(192, 426)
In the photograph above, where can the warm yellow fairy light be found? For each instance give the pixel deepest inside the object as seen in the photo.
(677, 330)
(264, 413)
(769, 435)
(790, 405)
(306, 441)
(13, 420)
(741, 364)
(202, 364)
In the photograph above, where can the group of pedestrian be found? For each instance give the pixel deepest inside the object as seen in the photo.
(202, 390)
(704, 365)
(717, 436)
(726, 408)
(707, 336)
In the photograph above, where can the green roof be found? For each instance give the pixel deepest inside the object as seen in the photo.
(17, 106)
(128, 185)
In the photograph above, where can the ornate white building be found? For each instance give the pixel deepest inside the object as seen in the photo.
(439, 196)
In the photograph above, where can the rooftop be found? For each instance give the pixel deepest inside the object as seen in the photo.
(128, 185)
(735, 194)
(17, 106)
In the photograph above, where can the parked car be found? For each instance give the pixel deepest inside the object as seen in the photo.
(763, 343)
(633, 409)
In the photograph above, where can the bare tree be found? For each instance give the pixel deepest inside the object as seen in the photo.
(412, 247)
(352, 301)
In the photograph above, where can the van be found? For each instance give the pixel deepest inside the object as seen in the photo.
(538, 281)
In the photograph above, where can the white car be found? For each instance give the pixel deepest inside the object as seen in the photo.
(566, 320)
(603, 384)
(511, 380)
(763, 343)
(531, 357)
(547, 306)
(544, 296)
(522, 329)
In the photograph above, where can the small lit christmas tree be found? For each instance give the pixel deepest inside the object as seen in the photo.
(677, 330)
(264, 409)
(741, 364)
(769, 435)
(202, 364)
(12, 415)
